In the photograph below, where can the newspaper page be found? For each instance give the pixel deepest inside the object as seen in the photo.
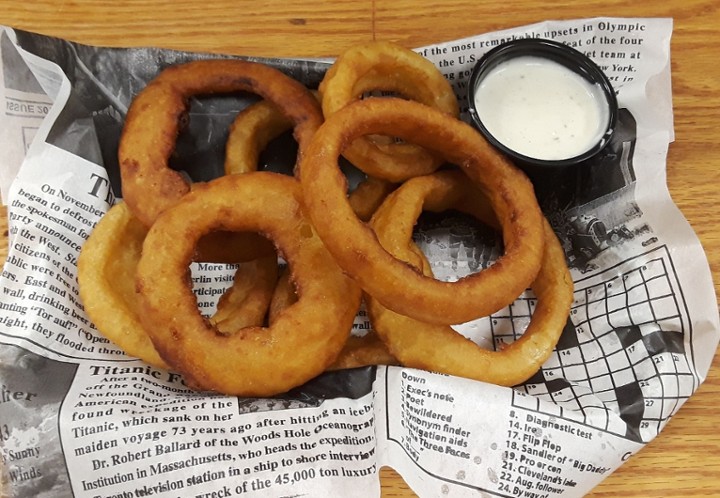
(79, 418)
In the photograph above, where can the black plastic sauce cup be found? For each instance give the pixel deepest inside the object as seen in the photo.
(570, 58)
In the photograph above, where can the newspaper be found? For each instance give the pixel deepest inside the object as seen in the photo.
(78, 418)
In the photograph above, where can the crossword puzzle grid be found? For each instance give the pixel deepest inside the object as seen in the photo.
(621, 363)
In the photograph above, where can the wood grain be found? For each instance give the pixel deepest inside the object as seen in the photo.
(685, 459)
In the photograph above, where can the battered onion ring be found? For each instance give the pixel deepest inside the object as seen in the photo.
(302, 342)
(250, 133)
(440, 348)
(106, 280)
(260, 123)
(106, 270)
(153, 123)
(355, 246)
(389, 67)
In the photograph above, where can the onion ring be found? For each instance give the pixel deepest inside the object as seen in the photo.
(106, 269)
(254, 361)
(106, 280)
(153, 123)
(250, 133)
(440, 348)
(356, 248)
(389, 67)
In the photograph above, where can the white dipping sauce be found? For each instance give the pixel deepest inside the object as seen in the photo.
(541, 109)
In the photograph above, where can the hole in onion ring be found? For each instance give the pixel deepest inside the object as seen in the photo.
(234, 296)
(456, 245)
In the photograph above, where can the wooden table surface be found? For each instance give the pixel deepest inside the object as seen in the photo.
(685, 459)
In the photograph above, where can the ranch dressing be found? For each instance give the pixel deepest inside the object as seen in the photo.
(541, 109)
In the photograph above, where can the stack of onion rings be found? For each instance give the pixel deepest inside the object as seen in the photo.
(260, 123)
(250, 133)
(252, 346)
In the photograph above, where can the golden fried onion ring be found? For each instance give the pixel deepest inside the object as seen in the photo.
(302, 342)
(439, 348)
(388, 67)
(355, 246)
(106, 282)
(149, 185)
